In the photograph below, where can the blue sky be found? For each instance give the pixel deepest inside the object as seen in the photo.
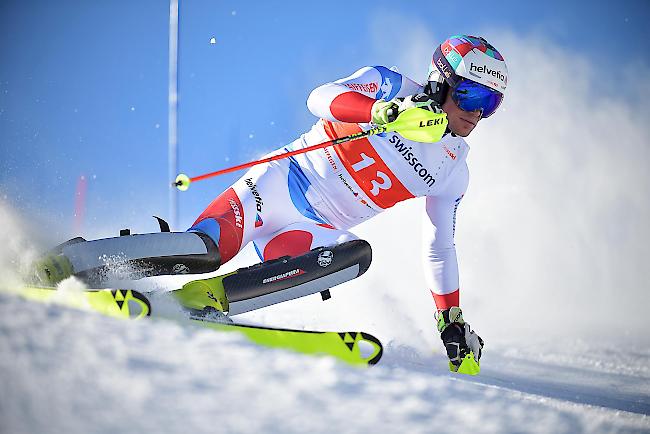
(83, 86)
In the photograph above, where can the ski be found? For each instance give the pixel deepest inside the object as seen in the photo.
(356, 348)
(115, 303)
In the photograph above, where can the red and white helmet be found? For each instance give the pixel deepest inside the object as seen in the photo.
(462, 62)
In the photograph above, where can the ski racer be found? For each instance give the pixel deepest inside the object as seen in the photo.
(292, 205)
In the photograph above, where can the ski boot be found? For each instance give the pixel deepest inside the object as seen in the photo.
(51, 269)
(463, 346)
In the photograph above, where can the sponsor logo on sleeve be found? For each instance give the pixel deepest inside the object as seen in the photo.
(363, 87)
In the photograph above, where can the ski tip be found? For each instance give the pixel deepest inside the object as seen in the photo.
(379, 349)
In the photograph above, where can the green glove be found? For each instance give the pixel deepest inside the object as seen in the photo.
(384, 112)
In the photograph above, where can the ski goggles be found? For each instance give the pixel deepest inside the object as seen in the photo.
(470, 96)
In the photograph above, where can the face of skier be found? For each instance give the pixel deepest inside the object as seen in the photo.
(461, 122)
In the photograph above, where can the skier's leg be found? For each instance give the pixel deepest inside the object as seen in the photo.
(300, 259)
(255, 205)
(128, 256)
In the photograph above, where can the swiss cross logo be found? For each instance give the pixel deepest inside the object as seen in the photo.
(367, 168)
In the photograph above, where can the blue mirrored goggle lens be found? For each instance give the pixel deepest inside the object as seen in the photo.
(471, 96)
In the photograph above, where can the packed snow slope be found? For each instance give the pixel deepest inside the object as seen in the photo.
(73, 371)
(552, 239)
(66, 371)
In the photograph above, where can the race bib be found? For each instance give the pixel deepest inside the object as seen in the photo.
(366, 167)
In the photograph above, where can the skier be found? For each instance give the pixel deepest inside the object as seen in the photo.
(292, 205)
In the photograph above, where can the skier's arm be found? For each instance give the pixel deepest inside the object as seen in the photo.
(440, 263)
(350, 99)
(442, 275)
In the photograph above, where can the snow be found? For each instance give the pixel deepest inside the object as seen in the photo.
(76, 372)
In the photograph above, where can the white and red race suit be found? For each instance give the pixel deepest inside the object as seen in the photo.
(290, 206)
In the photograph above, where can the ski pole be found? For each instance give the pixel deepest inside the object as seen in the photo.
(415, 124)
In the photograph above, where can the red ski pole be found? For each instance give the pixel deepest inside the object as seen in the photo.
(415, 124)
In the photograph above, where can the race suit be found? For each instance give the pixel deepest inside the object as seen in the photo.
(290, 206)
